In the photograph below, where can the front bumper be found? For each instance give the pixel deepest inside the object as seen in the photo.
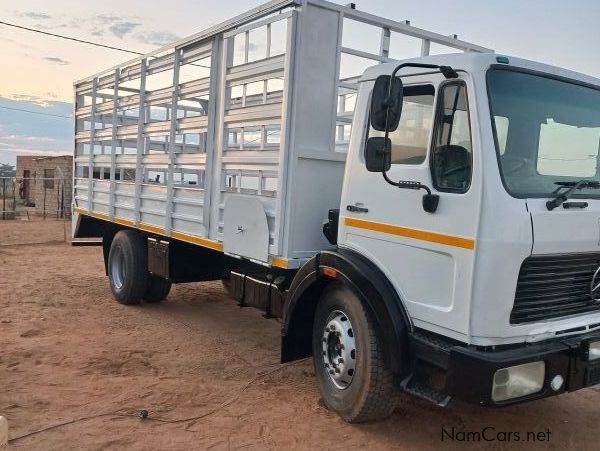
(470, 372)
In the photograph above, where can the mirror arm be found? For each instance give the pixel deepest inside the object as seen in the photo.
(406, 184)
(430, 200)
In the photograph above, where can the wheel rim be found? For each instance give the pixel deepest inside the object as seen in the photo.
(117, 268)
(339, 349)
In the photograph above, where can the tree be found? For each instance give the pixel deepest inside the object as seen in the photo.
(7, 170)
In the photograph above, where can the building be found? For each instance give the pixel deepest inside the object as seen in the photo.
(45, 182)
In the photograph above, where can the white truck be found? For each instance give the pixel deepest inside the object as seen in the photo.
(431, 224)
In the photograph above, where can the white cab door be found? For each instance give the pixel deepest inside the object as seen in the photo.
(427, 256)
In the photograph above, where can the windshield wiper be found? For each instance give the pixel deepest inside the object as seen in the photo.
(572, 187)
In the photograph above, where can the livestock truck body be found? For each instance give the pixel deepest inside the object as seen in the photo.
(421, 213)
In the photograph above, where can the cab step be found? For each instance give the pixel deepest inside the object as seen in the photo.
(412, 386)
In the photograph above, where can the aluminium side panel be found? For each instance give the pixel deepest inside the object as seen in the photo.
(315, 168)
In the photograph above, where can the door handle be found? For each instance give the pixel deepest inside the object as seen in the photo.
(356, 209)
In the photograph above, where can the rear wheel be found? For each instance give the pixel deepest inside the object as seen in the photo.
(351, 373)
(127, 267)
(158, 289)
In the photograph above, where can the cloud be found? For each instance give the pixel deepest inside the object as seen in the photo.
(35, 15)
(115, 25)
(57, 60)
(158, 38)
(38, 101)
(21, 138)
(121, 29)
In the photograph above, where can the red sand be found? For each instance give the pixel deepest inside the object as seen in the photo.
(70, 351)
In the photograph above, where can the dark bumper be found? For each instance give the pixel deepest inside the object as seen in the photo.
(470, 372)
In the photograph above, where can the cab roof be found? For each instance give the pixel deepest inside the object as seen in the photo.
(477, 62)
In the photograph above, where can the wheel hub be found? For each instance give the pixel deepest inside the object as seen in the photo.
(339, 349)
(118, 268)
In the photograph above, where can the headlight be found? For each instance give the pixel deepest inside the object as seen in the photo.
(594, 351)
(517, 381)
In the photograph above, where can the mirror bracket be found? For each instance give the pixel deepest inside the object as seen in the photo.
(430, 201)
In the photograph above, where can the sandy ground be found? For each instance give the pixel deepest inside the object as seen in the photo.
(68, 351)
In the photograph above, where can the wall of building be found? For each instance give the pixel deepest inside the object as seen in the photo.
(49, 185)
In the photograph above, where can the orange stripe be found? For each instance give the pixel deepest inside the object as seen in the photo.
(125, 222)
(197, 240)
(280, 263)
(422, 235)
(100, 215)
(151, 229)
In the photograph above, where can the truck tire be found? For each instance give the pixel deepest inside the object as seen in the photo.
(128, 267)
(158, 289)
(349, 365)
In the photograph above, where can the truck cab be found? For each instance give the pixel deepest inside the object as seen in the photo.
(510, 257)
(495, 144)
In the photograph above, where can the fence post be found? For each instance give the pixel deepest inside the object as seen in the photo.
(14, 187)
(3, 198)
(44, 212)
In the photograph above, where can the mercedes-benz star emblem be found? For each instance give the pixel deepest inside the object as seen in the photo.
(595, 286)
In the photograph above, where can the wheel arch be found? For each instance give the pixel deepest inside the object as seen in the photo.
(368, 282)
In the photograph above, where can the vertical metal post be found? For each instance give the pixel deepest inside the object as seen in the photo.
(294, 23)
(92, 150)
(3, 198)
(172, 144)
(337, 79)
(44, 183)
(14, 187)
(139, 173)
(222, 97)
(384, 46)
(212, 132)
(425, 47)
(113, 148)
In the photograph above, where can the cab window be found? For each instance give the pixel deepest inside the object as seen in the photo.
(410, 140)
(452, 154)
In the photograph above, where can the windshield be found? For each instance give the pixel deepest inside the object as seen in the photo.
(547, 131)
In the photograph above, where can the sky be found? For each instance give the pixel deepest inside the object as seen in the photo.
(38, 71)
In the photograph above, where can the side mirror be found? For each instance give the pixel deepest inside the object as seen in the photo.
(375, 154)
(386, 104)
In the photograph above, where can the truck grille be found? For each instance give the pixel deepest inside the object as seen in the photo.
(553, 286)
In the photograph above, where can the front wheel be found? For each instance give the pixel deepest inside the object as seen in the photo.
(349, 365)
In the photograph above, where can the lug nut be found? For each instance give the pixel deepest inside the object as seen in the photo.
(340, 361)
(337, 370)
(331, 371)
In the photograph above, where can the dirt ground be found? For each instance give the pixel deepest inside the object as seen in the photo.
(68, 351)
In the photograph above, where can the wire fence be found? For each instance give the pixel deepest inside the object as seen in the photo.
(35, 198)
